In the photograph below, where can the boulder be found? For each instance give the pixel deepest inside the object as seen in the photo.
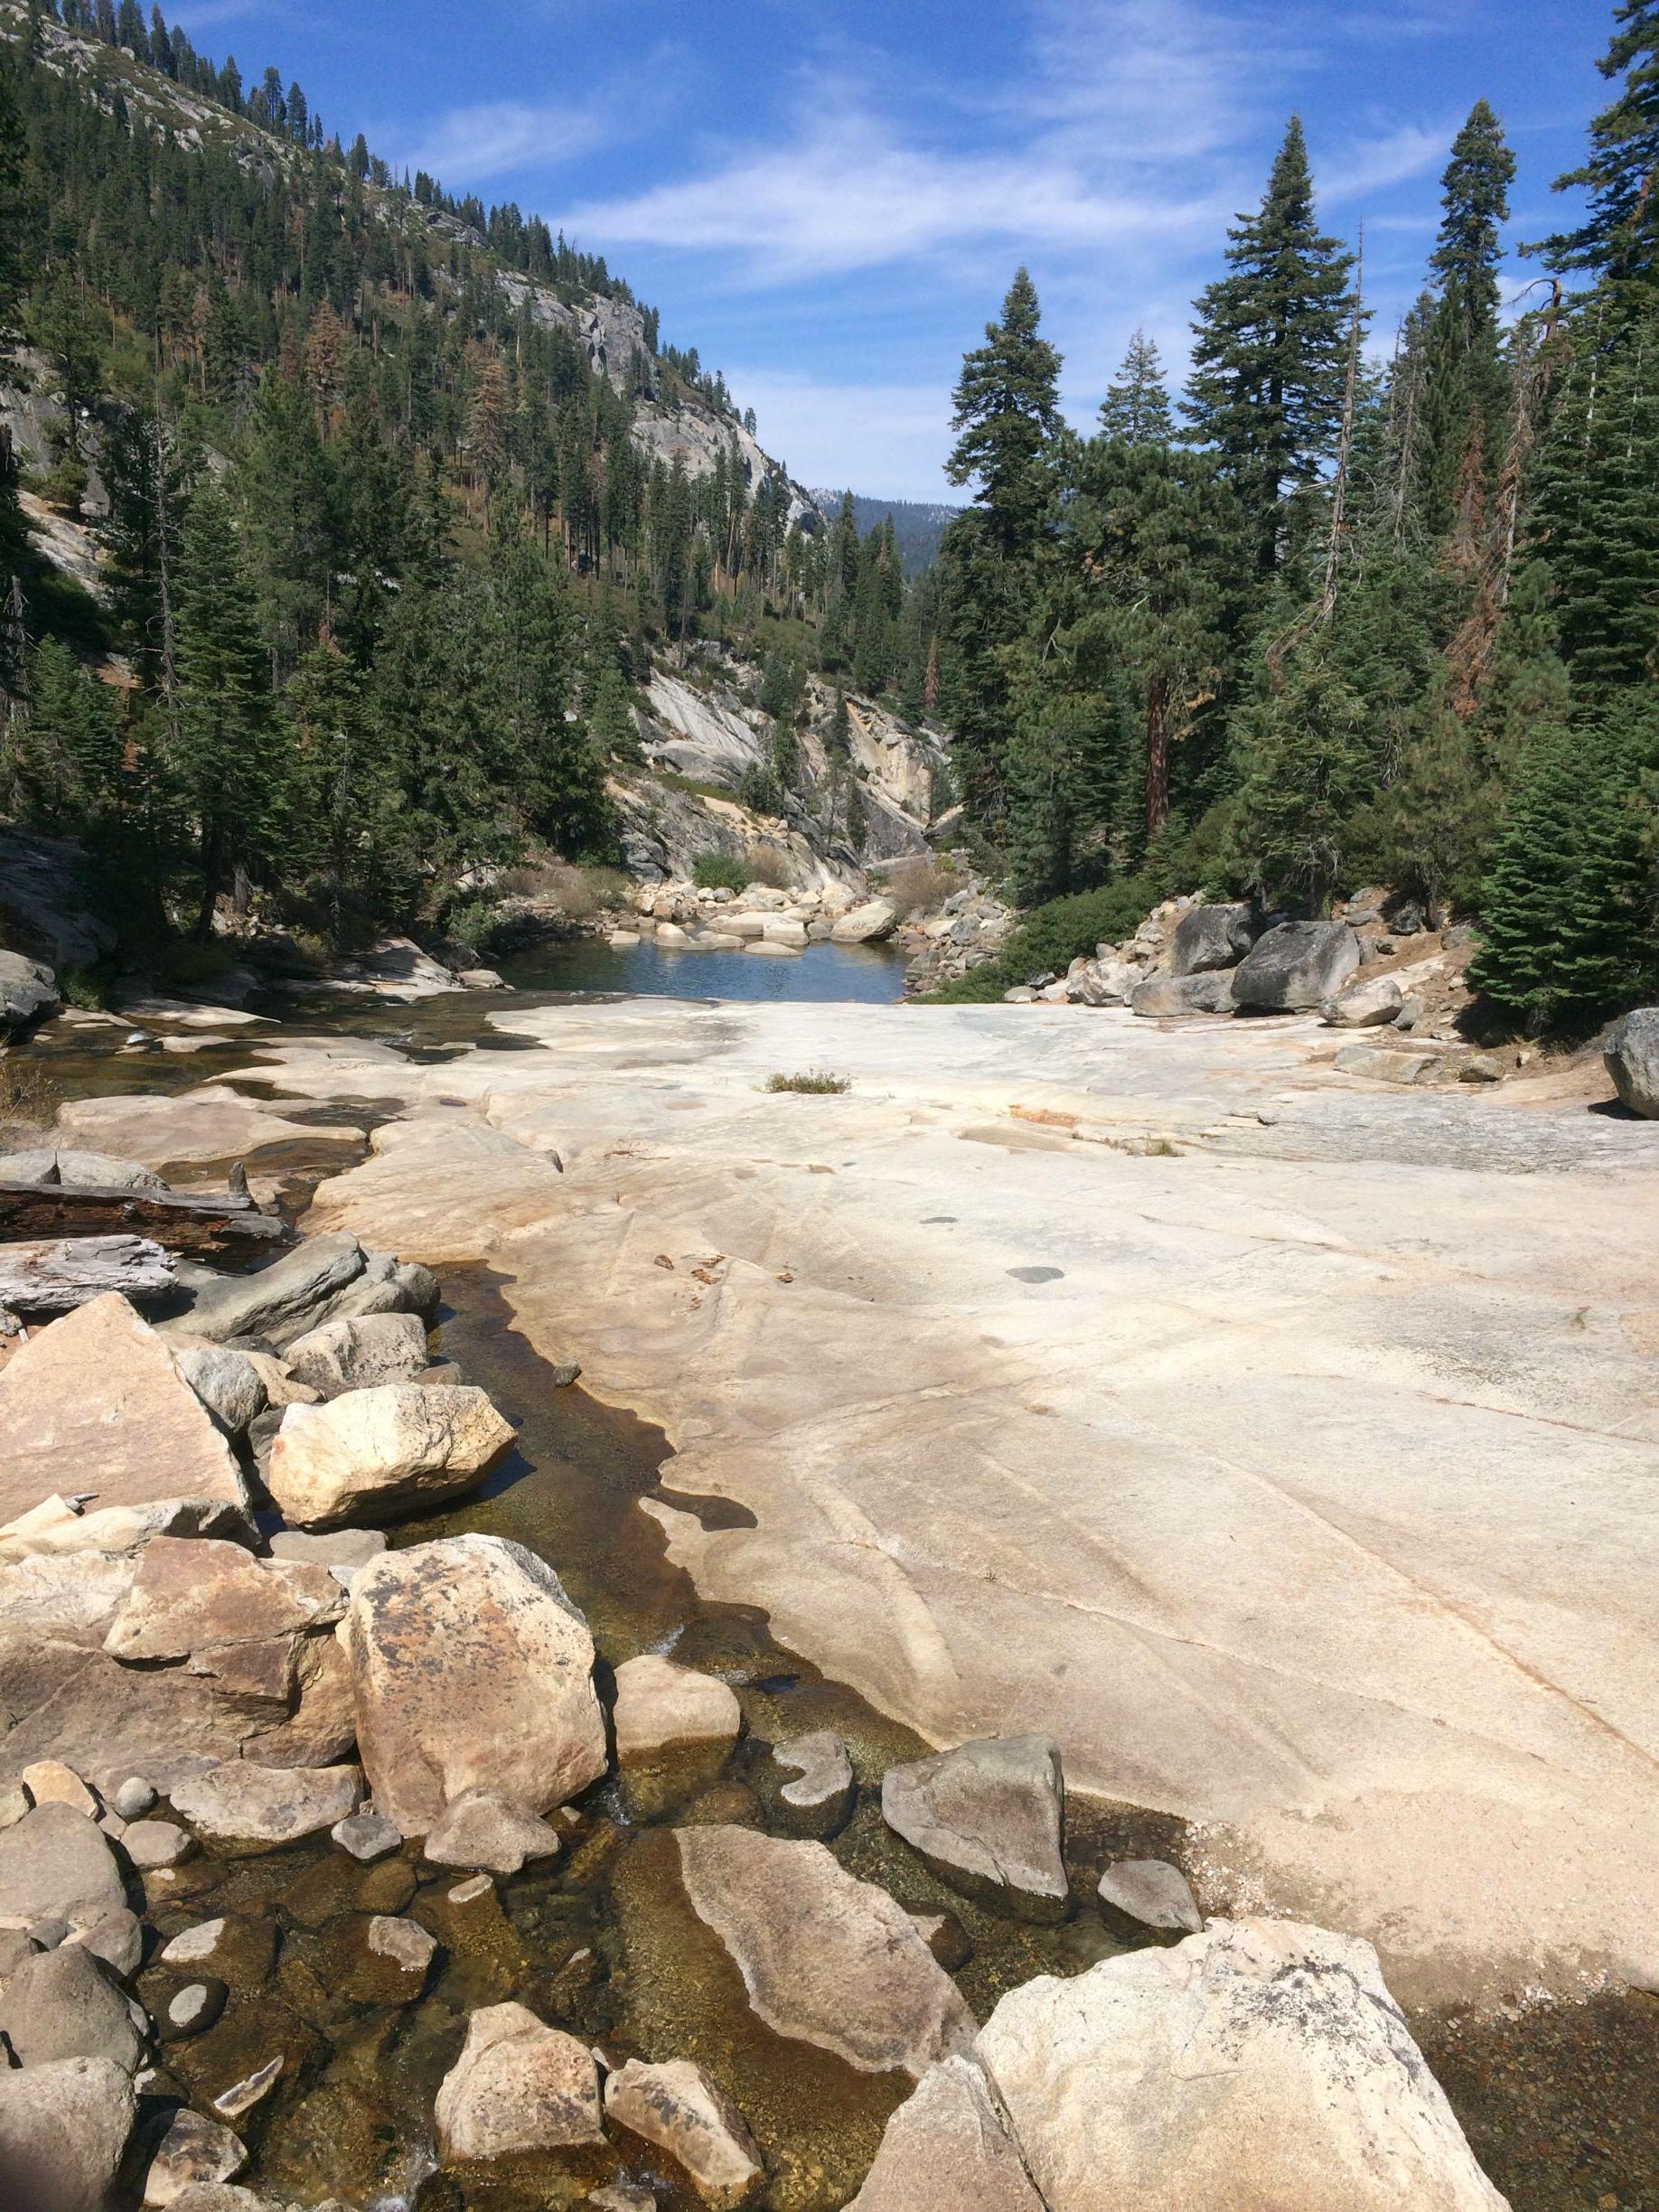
(472, 1670)
(191, 2149)
(661, 1707)
(1211, 937)
(346, 1548)
(1260, 2063)
(1178, 998)
(228, 1384)
(678, 2109)
(199, 1600)
(517, 2086)
(51, 1782)
(863, 924)
(67, 2004)
(99, 1392)
(152, 1844)
(825, 1958)
(946, 2150)
(344, 1356)
(1298, 965)
(117, 1939)
(672, 937)
(64, 2130)
(1104, 982)
(988, 1818)
(1364, 1005)
(76, 1170)
(241, 1805)
(483, 1831)
(193, 2009)
(365, 1837)
(779, 928)
(373, 1453)
(818, 1799)
(28, 989)
(55, 1864)
(1632, 1055)
(55, 1528)
(1153, 1892)
(281, 1301)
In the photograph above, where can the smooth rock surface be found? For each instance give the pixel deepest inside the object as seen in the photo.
(241, 1804)
(63, 2128)
(987, 1817)
(1298, 964)
(472, 1670)
(676, 2106)
(1153, 1892)
(66, 2004)
(825, 1957)
(55, 1864)
(945, 2149)
(1260, 2063)
(660, 1707)
(373, 1454)
(517, 2086)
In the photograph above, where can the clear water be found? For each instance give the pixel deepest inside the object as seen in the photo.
(871, 975)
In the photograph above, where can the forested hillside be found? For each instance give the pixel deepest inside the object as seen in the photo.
(1311, 623)
(394, 496)
(918, 525)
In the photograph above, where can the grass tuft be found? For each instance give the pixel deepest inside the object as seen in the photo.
(817, 1082)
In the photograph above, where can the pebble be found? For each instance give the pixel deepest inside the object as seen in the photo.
(193, 2008)
(151, 1844)
(366, 1835)
(133, 1799)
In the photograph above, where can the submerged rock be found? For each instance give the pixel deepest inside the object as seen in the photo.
(818, 1799)
(517, 2086)
(661, 1707)
(825, 1957)
(988, 1818)
(676, 2106)
(472, 1670)
(1260, 2063)
(372, 1454)
(1153, 1892)
(64, 2130)
(945, 2149)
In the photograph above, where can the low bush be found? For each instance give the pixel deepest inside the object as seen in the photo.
(817, 1083)
(718, 871)
(1051, 937)
(918, 886)
(765, 865)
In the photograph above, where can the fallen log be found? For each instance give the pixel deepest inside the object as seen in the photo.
(50, 1277)
(184, 1221)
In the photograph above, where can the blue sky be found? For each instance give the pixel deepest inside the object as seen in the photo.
(827, 199)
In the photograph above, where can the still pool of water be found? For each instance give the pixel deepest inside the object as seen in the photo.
(871, 975)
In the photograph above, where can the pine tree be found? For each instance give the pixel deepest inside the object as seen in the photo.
(1462, 393)
(1305, 769)
(1006, 418)
(60, 756)
(1618, 240)
(1135, 409)
(1270, 351)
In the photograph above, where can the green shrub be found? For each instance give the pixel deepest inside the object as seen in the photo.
(1052, 936)
(816, 1083)
(717, 871)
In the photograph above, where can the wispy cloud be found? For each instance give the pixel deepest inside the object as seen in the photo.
(472, 144)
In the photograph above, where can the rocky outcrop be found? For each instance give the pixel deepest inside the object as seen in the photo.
(472, 1670)
(676, 2107)
(374, 1454)
(1260, 2063)
(1211, 937)
(99, 1394)
(988, 1818)
(661, 1707)
(946, 2150)
(1176, 998)
(1632, 1055)
(519, 2085)
(64, 2130)
(825, 1958)
(1298, 965)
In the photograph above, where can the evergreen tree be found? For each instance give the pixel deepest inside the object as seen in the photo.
(1007, 416)
(1135, 409)
(60, 756)
(1270, 351)
(1463, 387)
(1618, 240)
(1303, 773)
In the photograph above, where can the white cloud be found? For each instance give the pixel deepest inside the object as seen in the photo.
(469, 145)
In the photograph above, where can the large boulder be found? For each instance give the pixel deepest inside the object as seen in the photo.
(1260, 2063)
(64, 2130)
(28, 989)
(1298, 965)
(96, 1402)
(193, 1597)
(1166, 997)
(56, 1865)
(241, 1807)
(1102, 982)
(519, 2085)
(863, 924)
(1632, 1057)
(987, 1817)
(472, 1670)
(678, 2109)
(282, 1300)
(825, 1958)
(345, 1355)
(663, 1708)
(372, 1454)
(1364, 1005)
(946, 2150)
(1211, 937)
(67, 2004)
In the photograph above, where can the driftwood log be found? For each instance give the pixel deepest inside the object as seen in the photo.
(184, 1221)
(50, 1276)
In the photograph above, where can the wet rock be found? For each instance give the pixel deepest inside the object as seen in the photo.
(28, 989)
(945, 1937)
(1153, 1892)
(233, 1948)
(344, 1356)
(67, 2004)
(483, 1829)
(825, 1958)
(818, 1801)
(99, 1391)
(1298, 965)
(945, 2149)
(225, 2196)
(863, 924)
(188, 1599)
(1631, 1052)
(76, 1171)
(51, 1782)
(517, 2086)
(64, 2130)
(226, 1384)
(1207, 938)
(281, 1299)
(248, 2091)
(241, 1804)
(988, 1818)
(193, 2009)
(677, 2107)
(191, 2149)
(661, 1707)
(366, 1836)
(622, 2197)
(1366, 1006)
(117, 1939)
(1259, 2063)
(372, 1454)
(133, 1798)
(54, 1862)
(404, 1950)
(1173, 998)
(473, 1671)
